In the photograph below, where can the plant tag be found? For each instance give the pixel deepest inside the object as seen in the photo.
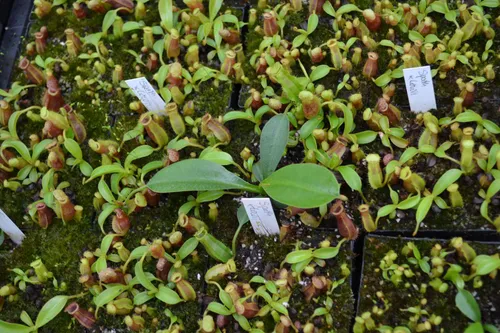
(147, 94)
(420, 88)
(10, 228)
(261, 215)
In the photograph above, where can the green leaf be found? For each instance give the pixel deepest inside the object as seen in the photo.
(105, 191)
(50, 310)
(451, 16)
(137, 153)
(187, 248)
(383, 79)
(350, 176)
(218, 309)
(439, 7)
(467, 304)
(209, 196)
(302, 185)
(312, 23)
(131, 25)
(197, 175)
(214, 7)
(328, 8)
(347, 9)
(143, 297)
(298, 256)
(309, 126)
(468, 116)
(20, 147)
(386, 210)
(448, 178)
(431, 38)
(141, 277)
(109, 19)
(490, 3)
(423, 208)
(486, 264)
(474, 328)
(490, 328)
(319, 72)
(74, 148)
(414, 35)
(108, 295)
(168, 296)
(242, 215)
(217, 156)
(106, 169)
(273, 142)
(165, 8)
(409, 202)
(14, 328)
(366, 137)
(106, 211)
(491, 126)
(327, 252)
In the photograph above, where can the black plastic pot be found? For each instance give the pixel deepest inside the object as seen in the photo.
(14, 19)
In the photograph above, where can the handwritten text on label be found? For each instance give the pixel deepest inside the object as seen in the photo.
(261, 215)
(420, 88)
(147, 94)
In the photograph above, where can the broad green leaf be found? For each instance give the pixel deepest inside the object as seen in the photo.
(386, 210)
(105, 170)
(137, 153)
(197, 175)
(143, 297)
(409, 202)
(309, 126)
(423, 208)
(131, 25)
(214, 7)
(108, 20)
(350, 176)
(273, 142)
(448, 178)
(165, 8)
(319, 72)
(347, 9)
(298, 256)
(467, 304)
(302, 185)
(168, 296)
(14, 328)
(50, 310)
(141, 277)
(490, 3)
(218, 309)
(108, 295)
(20, 147)
(242, 215)
(105, 191)
(383, 79)
(216, 156)
(414, 35)
(366, 137)
(474, 328)
(74, 148)
(312, 23)
(327, 252)
(468, 116)
(490, 328)
(187, 248)
(486, 264)
(439, 7)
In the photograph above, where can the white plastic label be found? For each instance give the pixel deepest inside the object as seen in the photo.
(147, 94)
(10, 228)
(420, 88)
(261, 215)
